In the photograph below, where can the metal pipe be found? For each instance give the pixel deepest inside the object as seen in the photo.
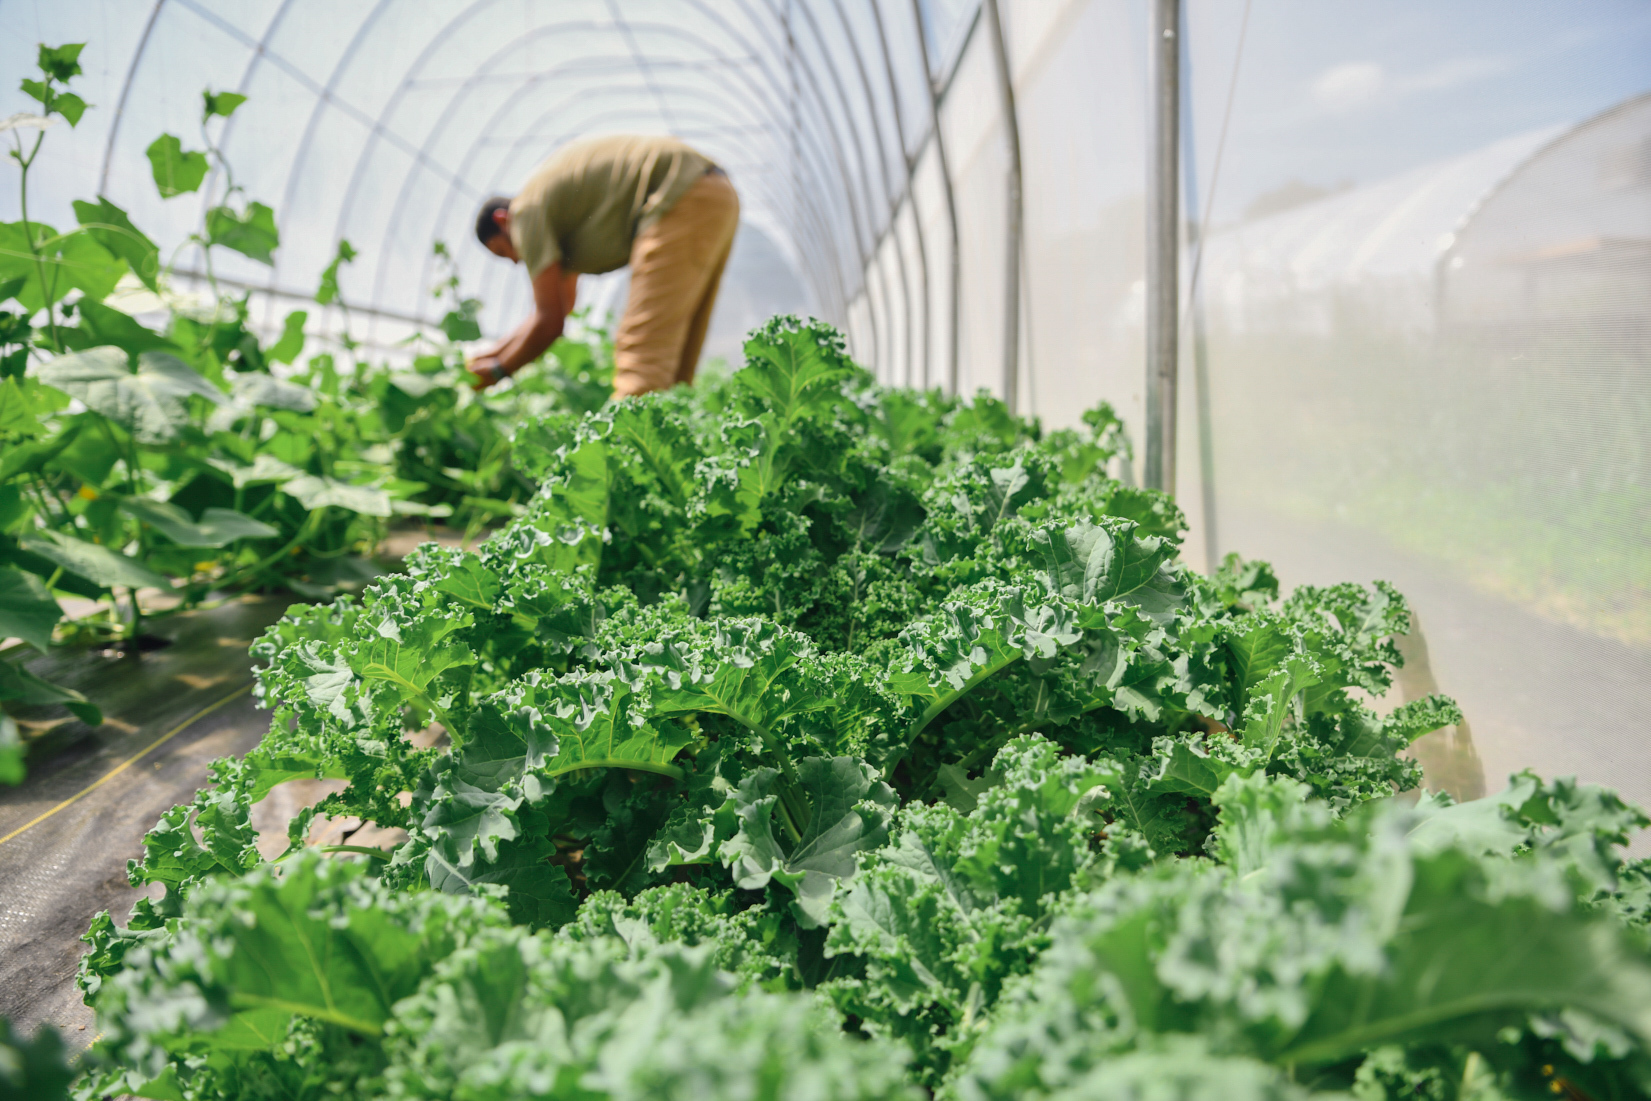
(1163, 243)
(125, 90)
(908, 325)
(1196, 227)
(1017, 213)
(910, 193)
(952, 378)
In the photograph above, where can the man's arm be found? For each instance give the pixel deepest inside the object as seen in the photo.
(554, 292)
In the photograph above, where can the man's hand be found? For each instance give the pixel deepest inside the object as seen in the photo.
(487, 369)
(553, 295)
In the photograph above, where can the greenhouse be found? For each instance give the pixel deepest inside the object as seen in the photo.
(966, 549)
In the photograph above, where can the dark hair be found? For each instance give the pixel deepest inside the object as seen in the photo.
(486, 227)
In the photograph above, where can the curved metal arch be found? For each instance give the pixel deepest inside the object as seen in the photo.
(817, 103)
(754, 186)
(642, 66)
(259, 50)
(446, 202)
(815, 106)
(598, 93)
(1017, 213)
(485, 132)
(698, 92)
(860, 160)
(814, 216)
(944, 164)
(695, 40)
(495, 273)
(811, 213)
(393, 100)
(848, 118)
(910, 190)
(872, 109)
(757, 24)
(861, 226)
(339, 68)
(441, 123)
(125, 91)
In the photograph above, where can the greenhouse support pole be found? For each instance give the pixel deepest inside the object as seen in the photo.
(1195, 304)
(954, 291)
(1163, 243)
(1017, 214)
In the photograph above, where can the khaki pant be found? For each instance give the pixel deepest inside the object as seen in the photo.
(676, 266)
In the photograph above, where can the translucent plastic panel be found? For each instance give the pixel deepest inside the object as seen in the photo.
(1424, 305)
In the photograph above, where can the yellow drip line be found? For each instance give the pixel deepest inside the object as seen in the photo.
(124, 765)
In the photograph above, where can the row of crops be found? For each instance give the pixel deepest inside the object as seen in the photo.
(172, 459)
(800, 737)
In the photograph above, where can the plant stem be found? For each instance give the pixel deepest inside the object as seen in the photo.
(28, 227)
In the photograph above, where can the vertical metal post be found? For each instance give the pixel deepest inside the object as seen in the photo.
(1017, 213)
(954, 293)
(1195, 312)
(1163, 242)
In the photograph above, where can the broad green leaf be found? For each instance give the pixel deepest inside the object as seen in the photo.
(540, 893)
(461, 325)
(1091, 563)
(20, 686)
(746, 674)
(109, 226)
(19, 414)
(883, 519)
(61, 63)
(1256, 645)
(33, 1069)
(1268, 703)
(27, 610)
(148, 402)
(291, 342)
(72, 262)
(251, 233)
(12, 768)
(261, 389)
(458, 574)
(217, 527)
(175, 170)
(316, 939)
(791, 365)
(1582, 824)
(409, 640)
(220, 103)
(95, 563)
(596, 726)
(174, 858)
(1466, 963)
(314, 491)
(265, 469)
(1190, 768)
(105, 326)
(937, 912)
(973, 639)
(328, 291)
(850, 813)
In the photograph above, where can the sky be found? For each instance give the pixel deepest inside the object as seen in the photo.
(1332, 91)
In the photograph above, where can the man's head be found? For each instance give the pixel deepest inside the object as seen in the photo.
(493, 228)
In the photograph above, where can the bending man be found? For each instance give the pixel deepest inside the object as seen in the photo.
(594, 206)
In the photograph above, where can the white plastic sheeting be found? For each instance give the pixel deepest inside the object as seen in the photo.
(1437, 371)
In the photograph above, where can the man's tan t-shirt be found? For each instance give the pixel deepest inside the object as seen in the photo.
(586, 204)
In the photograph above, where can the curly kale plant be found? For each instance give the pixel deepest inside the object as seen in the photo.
(806, 737)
